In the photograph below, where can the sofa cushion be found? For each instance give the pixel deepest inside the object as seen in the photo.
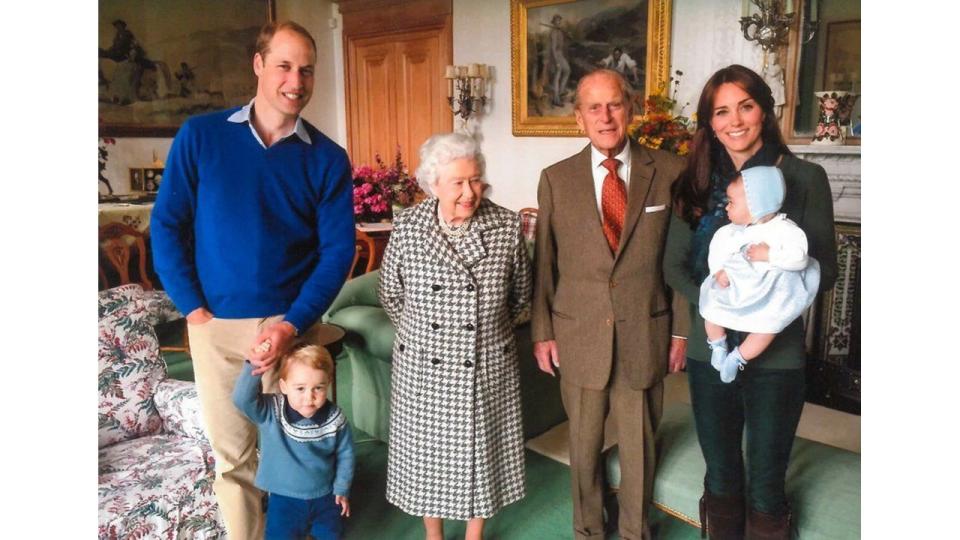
(179, 407)
(159, 486)
(368, 327)
(130, 367)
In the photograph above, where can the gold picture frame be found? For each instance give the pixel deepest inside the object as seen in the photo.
(542, 100)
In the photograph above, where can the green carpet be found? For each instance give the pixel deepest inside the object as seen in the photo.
(545, 513)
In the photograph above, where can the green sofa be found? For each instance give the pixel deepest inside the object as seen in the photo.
(368, 346)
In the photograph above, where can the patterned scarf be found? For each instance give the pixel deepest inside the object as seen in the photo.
(716, 215)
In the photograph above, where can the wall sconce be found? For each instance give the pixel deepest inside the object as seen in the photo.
(771, 25)
(466, 89)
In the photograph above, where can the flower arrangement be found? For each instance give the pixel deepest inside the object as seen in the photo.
(376, 190)
(659, 127)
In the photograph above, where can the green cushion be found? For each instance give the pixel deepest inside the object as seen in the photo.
(179, 365)
(368, 328)
(823, 482)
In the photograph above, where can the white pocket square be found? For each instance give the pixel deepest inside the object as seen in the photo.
(655, 208)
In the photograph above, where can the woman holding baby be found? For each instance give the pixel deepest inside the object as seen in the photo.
(746, 372)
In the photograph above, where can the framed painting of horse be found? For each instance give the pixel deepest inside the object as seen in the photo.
(161, 62)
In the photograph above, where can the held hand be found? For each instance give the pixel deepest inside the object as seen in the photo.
(758, 252)
(722, 279)
(199, 316)
(262, 355)
(678, 354)
(546, 354)
(344, 505)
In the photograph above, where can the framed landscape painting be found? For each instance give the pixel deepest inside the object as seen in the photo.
(556, 42)
(160, 62)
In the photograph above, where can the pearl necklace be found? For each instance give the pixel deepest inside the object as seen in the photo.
(453, 231)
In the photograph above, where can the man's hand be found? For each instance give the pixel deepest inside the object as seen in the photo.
(344, 505)
(758, 252)
(263, 356)
(678, 354)
(546, 354)
(199, 316)
(722, 279)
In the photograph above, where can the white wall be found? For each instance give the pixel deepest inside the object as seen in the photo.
(706, 36)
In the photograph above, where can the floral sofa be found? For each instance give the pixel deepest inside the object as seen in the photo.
(155, 466)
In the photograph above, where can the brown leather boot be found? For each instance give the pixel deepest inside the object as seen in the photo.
(761, 526)
(722, 516)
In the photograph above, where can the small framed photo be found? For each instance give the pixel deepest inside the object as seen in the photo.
(151, 179)
(136, 180)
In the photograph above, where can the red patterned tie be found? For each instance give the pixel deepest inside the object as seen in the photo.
(613, 202)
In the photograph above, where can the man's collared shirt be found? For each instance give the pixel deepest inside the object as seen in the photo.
(243, 115)
(600, 172)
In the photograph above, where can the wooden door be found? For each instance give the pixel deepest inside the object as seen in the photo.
(396, 93)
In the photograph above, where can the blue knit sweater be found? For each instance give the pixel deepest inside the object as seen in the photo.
(298, 458)
(247, 231)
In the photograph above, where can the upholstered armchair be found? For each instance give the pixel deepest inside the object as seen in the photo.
(155, 466)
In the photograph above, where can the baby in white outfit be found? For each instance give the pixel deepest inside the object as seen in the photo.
(761, 278)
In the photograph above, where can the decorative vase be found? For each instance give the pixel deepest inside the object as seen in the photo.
(829, 131)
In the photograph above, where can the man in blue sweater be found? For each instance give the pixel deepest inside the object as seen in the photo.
(253, 236)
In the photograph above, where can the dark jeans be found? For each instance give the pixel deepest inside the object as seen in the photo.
(768, 403)
(289, 518)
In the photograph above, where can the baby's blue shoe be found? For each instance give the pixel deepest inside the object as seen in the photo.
(733, 363)
(719, 351)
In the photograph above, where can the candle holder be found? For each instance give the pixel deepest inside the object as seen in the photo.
(771, 26)
(466, 89)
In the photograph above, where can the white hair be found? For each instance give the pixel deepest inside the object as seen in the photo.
(442, 149)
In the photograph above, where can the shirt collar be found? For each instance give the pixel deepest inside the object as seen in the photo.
(597, 157)
(243, 115)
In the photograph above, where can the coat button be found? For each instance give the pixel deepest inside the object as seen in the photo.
(435, 361)
(468, 364)
(469, 326)
(403, 347)
(435, 326)
(470, 288)
(609, 322)
(436, 287)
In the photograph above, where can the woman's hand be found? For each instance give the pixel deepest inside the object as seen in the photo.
(758, 252)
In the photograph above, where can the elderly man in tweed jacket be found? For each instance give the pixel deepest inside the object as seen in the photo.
(601, 311)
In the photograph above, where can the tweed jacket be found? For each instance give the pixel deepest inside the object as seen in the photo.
(596, 304)
(456, 438)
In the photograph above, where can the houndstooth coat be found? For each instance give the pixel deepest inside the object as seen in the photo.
(456, 438)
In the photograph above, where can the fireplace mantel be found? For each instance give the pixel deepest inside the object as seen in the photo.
(842, 164)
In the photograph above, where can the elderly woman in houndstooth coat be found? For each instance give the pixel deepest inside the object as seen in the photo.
(455, 276)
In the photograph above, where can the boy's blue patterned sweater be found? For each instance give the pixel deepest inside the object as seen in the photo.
(304, 458)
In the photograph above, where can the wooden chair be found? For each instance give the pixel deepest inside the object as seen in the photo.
(121, 243)
(366, 250)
